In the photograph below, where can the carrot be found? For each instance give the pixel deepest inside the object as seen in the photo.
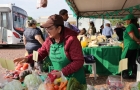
(49, 86)
(56, 87)
(25, 66)
(62, 85)
(65, 88)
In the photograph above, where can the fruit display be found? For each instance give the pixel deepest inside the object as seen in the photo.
(114, 82)
(91, 41)
(21, 70)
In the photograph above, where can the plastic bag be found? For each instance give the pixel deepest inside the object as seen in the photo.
(114, 82)
(42, 86)
(32, 81)
(3, 80)
(135, 86)
(41, 3)
(13, 85)
(90, 87)
(53, 78)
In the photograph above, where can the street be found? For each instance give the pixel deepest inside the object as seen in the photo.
(11, 52)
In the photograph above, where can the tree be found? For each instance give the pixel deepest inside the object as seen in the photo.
(30, 18)
(115, 21)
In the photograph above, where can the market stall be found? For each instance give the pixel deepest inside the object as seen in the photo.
(107, 59)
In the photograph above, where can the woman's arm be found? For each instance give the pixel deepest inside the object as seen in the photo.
(24, 40)
(131, 34)
(39, 38)
(42, 52)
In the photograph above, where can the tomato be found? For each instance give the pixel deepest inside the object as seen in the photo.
(25, 66)
(56, 87)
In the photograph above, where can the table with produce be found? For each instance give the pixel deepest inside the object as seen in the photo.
(26, 78)
(106, 52)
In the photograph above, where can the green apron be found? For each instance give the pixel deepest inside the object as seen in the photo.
(129, 43)
(59, 60)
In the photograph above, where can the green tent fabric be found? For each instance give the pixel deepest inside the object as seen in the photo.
(114, 14)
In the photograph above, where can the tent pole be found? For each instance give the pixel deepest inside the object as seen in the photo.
(77, 21)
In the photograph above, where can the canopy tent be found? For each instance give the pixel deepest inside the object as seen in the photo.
(104, 8)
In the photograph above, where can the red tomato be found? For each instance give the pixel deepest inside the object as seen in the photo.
(25, 66)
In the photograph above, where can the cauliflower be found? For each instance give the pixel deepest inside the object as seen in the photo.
(32, 80)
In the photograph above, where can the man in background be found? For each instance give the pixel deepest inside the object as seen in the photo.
(107, 31)
(64, 14)
(119, 31)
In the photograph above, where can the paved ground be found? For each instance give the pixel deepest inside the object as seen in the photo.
(14, 52)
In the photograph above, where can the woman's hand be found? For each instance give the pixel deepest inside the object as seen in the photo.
(58, 74)
(20, 60)
(138, 42)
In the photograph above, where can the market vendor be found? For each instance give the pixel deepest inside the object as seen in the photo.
(63, 48)
(131, 43)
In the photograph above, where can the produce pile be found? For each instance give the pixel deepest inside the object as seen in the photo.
(23, 78)
(114, 82)
(21, 70)
(95, 40)
(53, 83)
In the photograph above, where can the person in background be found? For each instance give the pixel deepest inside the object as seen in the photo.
(64, 14)
(41, 33)
(123, 27)
(63, 48)
(107, 31)
(32, 38)
(119, 31)
(83, 32)
(131, 44)
(92, 29)
(101, 28)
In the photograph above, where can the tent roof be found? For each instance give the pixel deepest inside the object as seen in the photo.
(104, 8)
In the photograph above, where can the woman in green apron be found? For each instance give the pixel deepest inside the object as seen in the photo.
(62, 48)
(131, 43)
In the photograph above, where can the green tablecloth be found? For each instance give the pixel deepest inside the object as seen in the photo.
(107, 59)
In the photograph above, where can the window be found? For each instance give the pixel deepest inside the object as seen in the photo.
(19, 21)
(4, 20)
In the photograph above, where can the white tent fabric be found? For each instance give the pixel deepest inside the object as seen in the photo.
(87, 8)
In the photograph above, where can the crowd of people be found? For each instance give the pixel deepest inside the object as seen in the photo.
(64, 49)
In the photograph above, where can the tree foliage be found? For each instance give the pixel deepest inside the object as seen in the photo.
(115, 21)
(30, 18)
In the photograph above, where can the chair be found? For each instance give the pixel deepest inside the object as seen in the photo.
(93, 65)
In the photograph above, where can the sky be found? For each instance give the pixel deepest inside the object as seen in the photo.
(30, 6)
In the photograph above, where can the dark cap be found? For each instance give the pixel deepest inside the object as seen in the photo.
(53, 20)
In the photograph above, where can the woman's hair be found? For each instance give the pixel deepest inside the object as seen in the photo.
(31, 22)
(134, 21)
(92, 23)
(101, 26)
(84, 30)
(62, 27)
